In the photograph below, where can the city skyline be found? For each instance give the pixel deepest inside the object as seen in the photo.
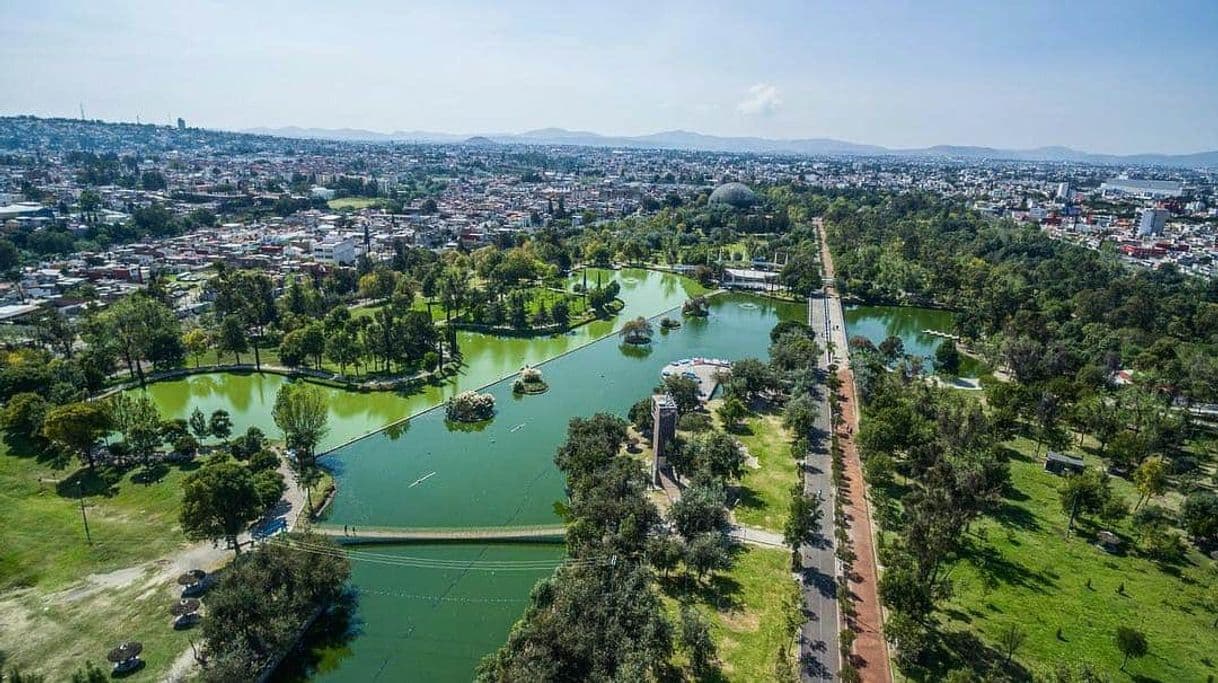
(943, 74)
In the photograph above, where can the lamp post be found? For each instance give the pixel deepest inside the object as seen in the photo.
(80, 489)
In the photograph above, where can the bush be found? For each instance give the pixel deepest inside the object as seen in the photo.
(470, 406)
(694, 422)
(264, 460)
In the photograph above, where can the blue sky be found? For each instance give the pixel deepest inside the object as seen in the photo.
(1110, 76)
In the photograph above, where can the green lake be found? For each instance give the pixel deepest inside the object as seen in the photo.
(249, 397)
(877, 323)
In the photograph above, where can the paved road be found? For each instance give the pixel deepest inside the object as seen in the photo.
(819, 634)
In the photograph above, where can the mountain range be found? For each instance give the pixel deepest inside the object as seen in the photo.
(686, 140)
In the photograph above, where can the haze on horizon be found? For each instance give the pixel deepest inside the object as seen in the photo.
(1112, 77)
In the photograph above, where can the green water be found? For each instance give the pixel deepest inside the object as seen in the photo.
(501, 475)
(428, 624)
(486, 358)
(877, 323)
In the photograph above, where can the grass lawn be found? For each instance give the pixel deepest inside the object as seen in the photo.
(356, 203)
(50, 621)
(747, 608)
(1022, 569)
(765, 499)
(44, 543)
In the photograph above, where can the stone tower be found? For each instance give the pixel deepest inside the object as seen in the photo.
(664, 428)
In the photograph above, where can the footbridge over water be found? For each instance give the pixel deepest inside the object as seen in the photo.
(360, 535)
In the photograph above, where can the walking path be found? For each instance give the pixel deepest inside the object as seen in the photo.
(870, 652)
(357, 535)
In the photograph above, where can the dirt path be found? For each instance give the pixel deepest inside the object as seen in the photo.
(870, 648)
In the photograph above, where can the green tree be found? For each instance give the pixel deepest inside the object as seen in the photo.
(77, 427)
(947, 358)
(1150, 479)
(1199, 515)
(197, 343)
(731, 412)
(1086, 492)
(302, 415)
(218, 501)
(198, 424)
(232, 338)
(24, 414)
(1131, 643)
(696, 640)
(220, 424)
(684, 392)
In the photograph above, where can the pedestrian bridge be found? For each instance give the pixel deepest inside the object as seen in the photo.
(360, 535)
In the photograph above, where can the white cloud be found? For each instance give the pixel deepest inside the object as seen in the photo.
(762, 99)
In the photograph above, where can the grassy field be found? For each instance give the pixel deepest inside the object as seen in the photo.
(765, 500)
(748, 610)
(355, 203)
(1022, 569)
(44, 542)
(51, 621)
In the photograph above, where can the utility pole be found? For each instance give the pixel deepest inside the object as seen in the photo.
(80, 488)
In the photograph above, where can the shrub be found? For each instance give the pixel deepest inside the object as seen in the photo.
(470, 406)
(694, 422)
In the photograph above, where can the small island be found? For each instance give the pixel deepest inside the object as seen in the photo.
(529, 382)
(669, 324)
(697, 307)
(637, 331)
(470, 406)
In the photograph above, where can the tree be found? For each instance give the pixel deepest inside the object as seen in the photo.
(198, 424)
(1011, 639)
(696, 639)
(684, 392)
(732, 411)
(77, 427)
(1086, 492)
(141, 329)
(1150, 479)
(1131, 643)
(1199, 515)
(218, 501)
(804, 519)
(947, 358)
(343, 349)
(197, 343)
(220, 425)
(137, 419)
(699, 510)
(301, 414)
(232, 337)
(637, 331)
(707, 553)
(24, 414)
(716, 455)
(641, 417)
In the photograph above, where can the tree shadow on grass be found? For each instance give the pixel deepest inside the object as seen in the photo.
(101, 481)
(994, 569)
(1015, 517)
(43, 453)
(747, 499)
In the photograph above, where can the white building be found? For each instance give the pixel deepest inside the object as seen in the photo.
(340, 251)
(1142, 189)
(319, 192)
(1152, 222)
